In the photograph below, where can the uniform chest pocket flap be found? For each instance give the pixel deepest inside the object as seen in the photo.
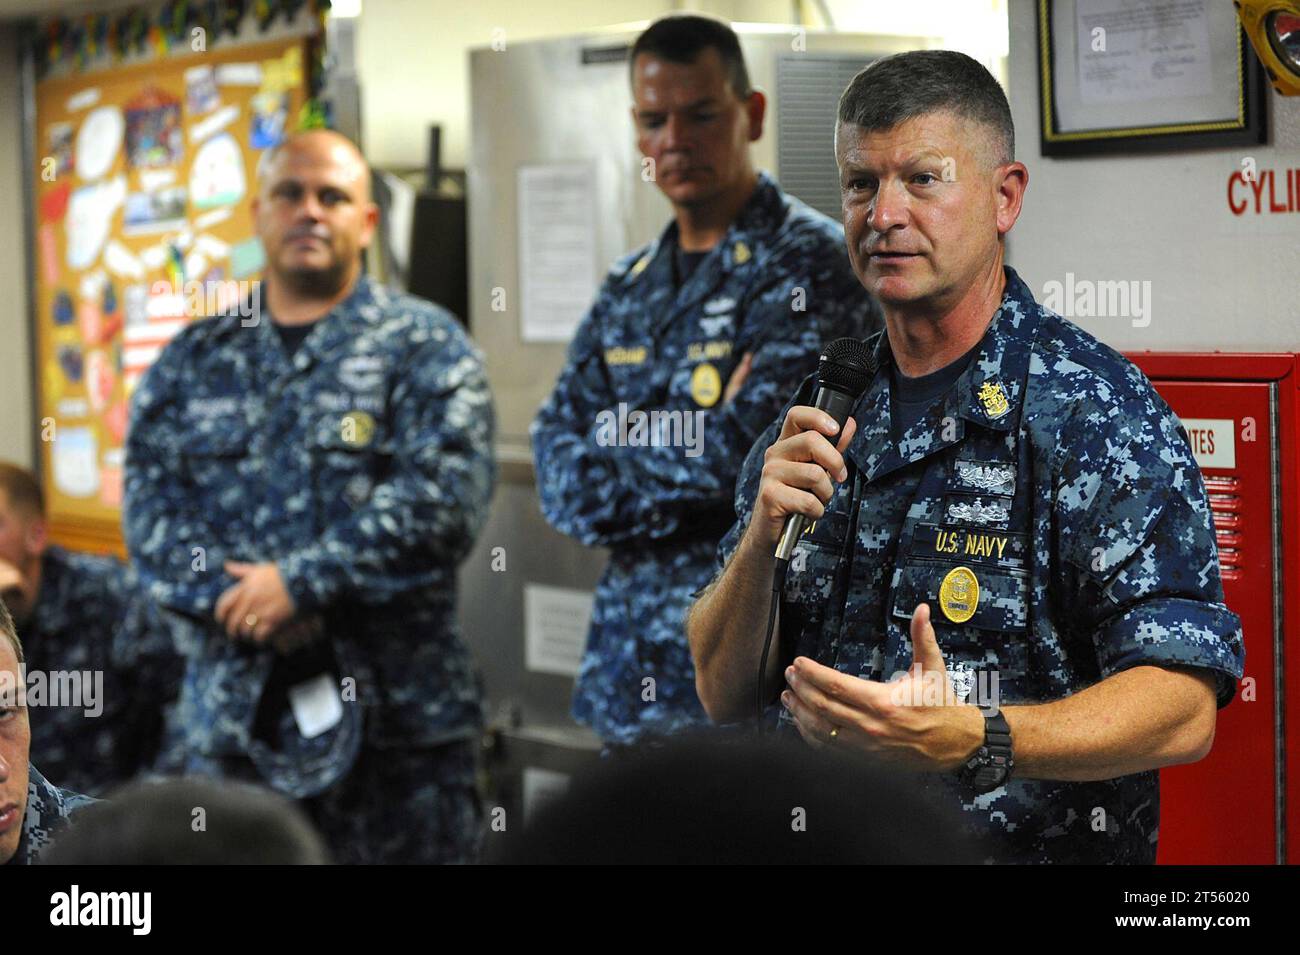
(980, 615)
(214, 450)
(217, 438)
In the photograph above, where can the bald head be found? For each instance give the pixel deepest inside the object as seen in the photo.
(317, 146)
(314, 214)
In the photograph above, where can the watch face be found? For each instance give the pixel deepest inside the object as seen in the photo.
(989, 778)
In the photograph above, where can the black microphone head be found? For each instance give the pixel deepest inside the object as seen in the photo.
(846, 365)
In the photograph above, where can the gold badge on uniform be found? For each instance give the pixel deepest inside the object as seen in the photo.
(740, 253)
(357, 429)
(994, 399)
(959, 594)
(706, 385)
(641, 263)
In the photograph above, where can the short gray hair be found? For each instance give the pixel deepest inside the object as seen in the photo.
(907, 85)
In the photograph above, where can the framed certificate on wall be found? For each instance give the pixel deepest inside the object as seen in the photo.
(1126, 75)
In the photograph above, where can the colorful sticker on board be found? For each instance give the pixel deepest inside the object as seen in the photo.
(98, 142)
(90, 320)
(201, 94)
(75, 451)
(59, 143)
(54, 204)
(270, 113)
(153, 130)
(119, 260)
(151, 180)
(214, 123)
(83, 99)
(99, 380)
(217, 176)
(90, 212)
(115, 421)
(211, 246)
(48, 240)
(62, 309)
(209, 219)
(247, 258)
(135, 297)
(162, 211)
(239, 74)
(110, 486)
(70, 362)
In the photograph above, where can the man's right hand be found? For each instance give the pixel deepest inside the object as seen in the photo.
(798, 471)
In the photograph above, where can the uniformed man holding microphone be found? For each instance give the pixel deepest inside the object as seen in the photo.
(1012, 582)
(299, 491)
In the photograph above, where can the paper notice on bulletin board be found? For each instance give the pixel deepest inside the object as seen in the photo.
(557, 249)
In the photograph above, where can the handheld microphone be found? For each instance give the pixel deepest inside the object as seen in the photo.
(845, 370)
(843, 373)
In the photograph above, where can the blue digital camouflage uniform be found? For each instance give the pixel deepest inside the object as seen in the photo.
(1064, 485)
(363, 467)
(92, 617)
(49, 811)
(778, 285)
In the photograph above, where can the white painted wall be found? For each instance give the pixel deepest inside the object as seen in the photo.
(1218, 281)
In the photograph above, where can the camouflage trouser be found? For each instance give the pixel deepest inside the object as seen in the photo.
(397, 806)
(404, 806)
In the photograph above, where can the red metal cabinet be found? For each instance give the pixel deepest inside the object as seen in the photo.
(1240, 414)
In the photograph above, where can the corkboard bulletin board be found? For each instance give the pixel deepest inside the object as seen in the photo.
(142, 223)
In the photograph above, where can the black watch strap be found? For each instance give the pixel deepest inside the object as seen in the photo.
(990, 765)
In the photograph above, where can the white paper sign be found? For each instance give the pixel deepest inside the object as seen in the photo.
(217, 121)
(557, 249)
(83, 100)
(98, 141)
(555, 628)
(316, 704)
(239, 74)
(151, 180)
(1213, 441)
(121, 262)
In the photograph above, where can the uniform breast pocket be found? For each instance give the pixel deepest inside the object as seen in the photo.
(214, 452)
(351, 454)
(980, 614)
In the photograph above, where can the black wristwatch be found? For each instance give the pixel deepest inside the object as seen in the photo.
(990, 765)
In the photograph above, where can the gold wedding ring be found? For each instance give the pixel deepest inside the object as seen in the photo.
(835, 731)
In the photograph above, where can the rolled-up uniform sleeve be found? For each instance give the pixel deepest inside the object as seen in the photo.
(1140, 566)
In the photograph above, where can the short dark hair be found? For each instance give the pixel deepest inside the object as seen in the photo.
(711, 798)
(23, 489)
(151, 823)
(681, 38)
(9, 631)
(907, 85)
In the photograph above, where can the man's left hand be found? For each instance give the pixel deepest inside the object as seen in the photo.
(257, 605)
(916, 722)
